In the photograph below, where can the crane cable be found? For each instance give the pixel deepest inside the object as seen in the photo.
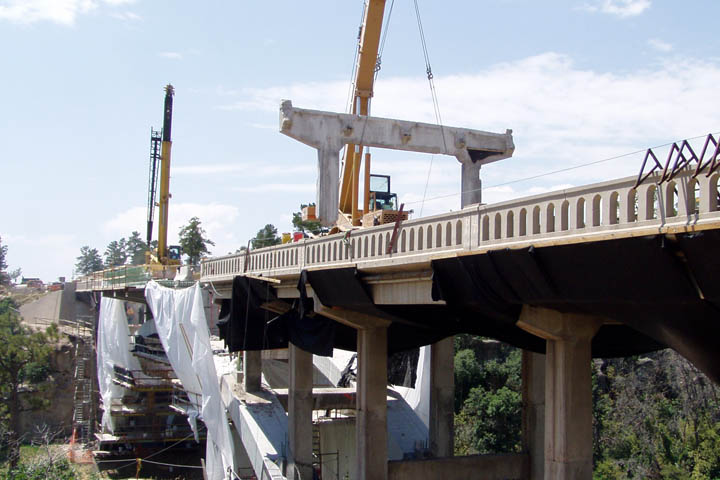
(378, 65)
(433, 93)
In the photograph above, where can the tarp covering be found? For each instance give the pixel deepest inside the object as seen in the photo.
(661, 288)
(113, 349)
(180, 321)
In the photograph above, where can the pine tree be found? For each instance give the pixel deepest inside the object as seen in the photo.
(4, 277)
(89, 261)
(115, 254)
(193, 241)
(136, 249)
(266, 237)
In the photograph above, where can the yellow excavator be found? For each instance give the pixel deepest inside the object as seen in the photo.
(160, 147)
(379, 204)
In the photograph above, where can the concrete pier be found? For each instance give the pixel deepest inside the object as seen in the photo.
(300, 406)
(568, 395)
(442, 398)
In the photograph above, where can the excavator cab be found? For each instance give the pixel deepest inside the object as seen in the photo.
(174, 252)
(381, 198)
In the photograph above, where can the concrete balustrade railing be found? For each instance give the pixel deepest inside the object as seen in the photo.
(587, 213)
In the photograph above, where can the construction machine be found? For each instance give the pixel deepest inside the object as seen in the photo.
(379, 204)
(160, 147)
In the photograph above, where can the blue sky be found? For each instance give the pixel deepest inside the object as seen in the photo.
(82, 83)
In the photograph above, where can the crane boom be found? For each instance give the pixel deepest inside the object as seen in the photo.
(164, 197)
(369, 44)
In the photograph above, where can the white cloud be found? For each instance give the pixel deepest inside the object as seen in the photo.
(278, 187)
(64, 12)
(621, 8)
(216, 218)
(562, 116)
(171, 55)
(248, 170)
(659, 45)
(126, 16)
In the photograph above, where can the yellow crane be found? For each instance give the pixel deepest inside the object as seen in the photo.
(165, 255)
(379, 204)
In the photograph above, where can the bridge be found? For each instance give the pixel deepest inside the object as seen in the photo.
(609, 269)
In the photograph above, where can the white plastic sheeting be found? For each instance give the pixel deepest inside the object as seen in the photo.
(183, 331)
(113, 348)
(419, 397)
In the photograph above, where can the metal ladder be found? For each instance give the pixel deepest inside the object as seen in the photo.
(83, 395)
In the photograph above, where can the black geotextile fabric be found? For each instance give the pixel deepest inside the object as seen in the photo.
(660, 287)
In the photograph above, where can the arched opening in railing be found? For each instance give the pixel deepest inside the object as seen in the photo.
(438, 235)
(395, 247)
(536, 220)
(354, 249)
(564, 215)
(485, 228)
(448, 234)
(373, 251)
(429, 237)
(380, 245)
(614, 208)
(714, 200)
(580, 213)
(631, 205)
(411, 245)
(651, 203)
(403, 239)
(458, 232)
(671, 199)
(498, 227)
(522, 223)
(550, 217)
(510, 224)
(693, 201)
(597, 210)
(420, 238)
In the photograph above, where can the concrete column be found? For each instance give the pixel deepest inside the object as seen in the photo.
(328, 196)
(252, 370)
(568, 396)
(533, 382)
(442, 398)
(300, 405)
(470, 184)
(371, 420)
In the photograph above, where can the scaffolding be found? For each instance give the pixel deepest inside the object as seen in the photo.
(84, 378)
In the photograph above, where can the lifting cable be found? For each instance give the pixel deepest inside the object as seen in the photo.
(433, 93)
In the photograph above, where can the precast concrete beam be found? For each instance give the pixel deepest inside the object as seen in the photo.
(328, 132)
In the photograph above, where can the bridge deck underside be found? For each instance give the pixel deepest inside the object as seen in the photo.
(655, 292)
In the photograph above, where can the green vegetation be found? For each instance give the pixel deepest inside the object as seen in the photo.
(655, 416)
(24, 359)
(300, 225)
(4, 277)
(193, 241)
(266, 237)
(488, 398)
(115, 254)
(89, 261)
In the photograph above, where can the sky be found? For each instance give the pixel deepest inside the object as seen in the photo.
(82, 82)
